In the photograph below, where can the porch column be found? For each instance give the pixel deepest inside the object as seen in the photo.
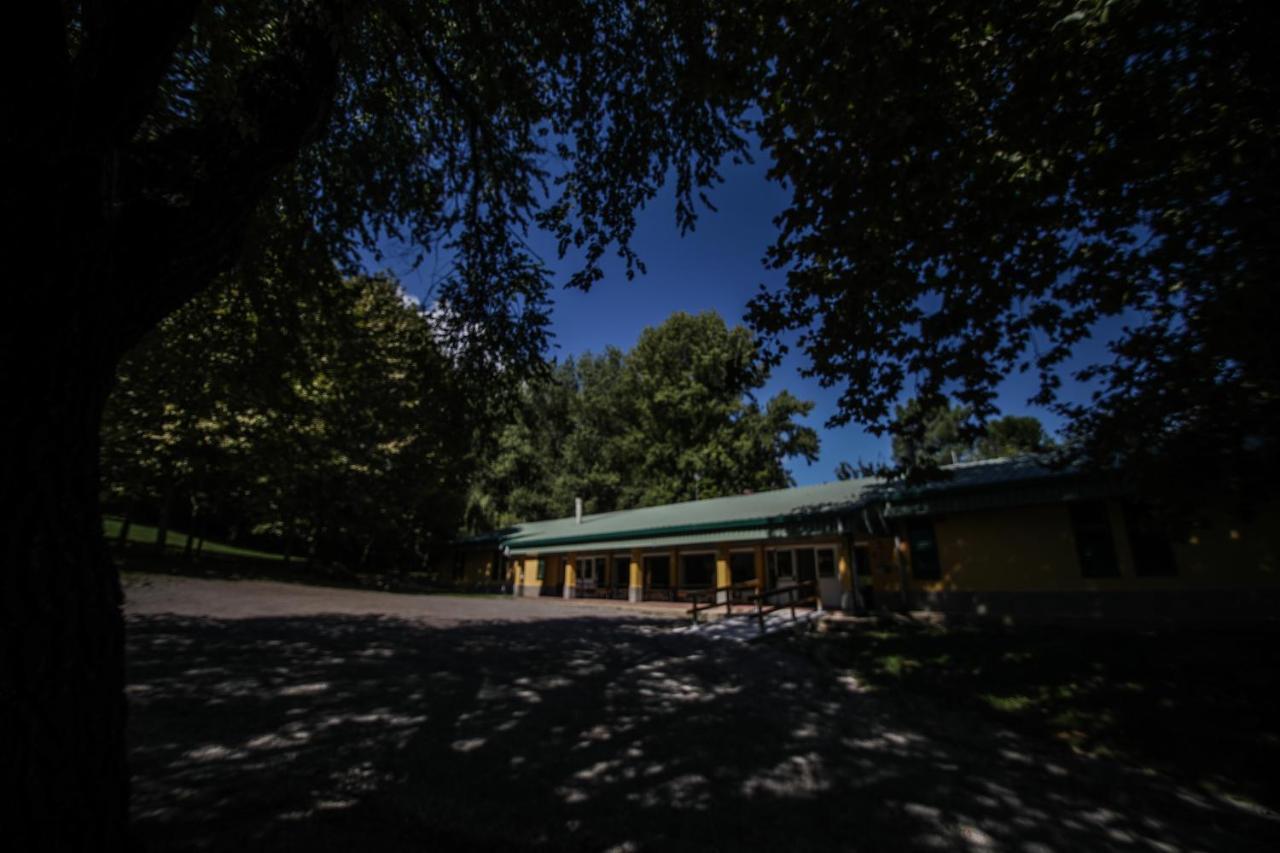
(674, 576)
(517, 575)
(635, 585)
(848, 578)
(723, 577)
(761, 578)
(570, 575)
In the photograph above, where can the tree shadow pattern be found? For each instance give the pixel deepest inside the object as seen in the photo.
(347, 732)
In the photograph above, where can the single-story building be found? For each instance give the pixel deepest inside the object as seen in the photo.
(1007, 537)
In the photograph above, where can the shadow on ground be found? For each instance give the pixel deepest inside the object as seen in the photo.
(328, 733)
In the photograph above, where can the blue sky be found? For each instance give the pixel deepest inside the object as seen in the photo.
(716, 267)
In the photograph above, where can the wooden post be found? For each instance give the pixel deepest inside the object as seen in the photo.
(673, 575)
(723, 578)
(848, 576)
(570, 575)
(761, 578)
(635, 586)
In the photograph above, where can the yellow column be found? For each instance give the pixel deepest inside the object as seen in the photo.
(722, 572)
(635, 586)
(848, 595)
(570, 575)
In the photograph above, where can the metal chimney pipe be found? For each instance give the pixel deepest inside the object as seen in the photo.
(577, 509)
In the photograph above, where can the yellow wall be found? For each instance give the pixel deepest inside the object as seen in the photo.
(1033, 548)
(1029, 549)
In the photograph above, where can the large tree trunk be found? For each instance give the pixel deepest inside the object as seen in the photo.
(62, 657)
(138, 225)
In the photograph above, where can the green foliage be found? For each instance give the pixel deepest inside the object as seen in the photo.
(447, 128)
(176, 541)
(944, 437)
(1191, 703)
(673, 419)
(323, 414)
(977, 188)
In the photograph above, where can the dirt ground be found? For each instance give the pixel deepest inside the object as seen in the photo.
(277, 716)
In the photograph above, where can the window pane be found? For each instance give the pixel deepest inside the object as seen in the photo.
(699, 570)
(621, 571)
(542, 568)
(742, 567)
(924, 550)
(826, 562)
(659, 571)
(784, 563)
(805, 564)
(1095, 547)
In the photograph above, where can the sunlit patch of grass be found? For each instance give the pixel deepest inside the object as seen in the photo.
(1016, 704)
(145, 534)
(1187, 702)
(898, 666)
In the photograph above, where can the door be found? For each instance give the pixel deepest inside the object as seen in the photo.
(828, 576)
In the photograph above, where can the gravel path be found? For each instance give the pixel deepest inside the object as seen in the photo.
(271, 716)
(225, 599)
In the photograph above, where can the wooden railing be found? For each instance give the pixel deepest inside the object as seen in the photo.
(795, 595)
(736, 593)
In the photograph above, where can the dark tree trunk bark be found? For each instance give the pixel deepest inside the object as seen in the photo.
(137, 228)
(187, 551)
(62, 657)
(162, 526)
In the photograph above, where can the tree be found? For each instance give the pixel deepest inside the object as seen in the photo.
(297, 409)
(1013, 435)
(157, 143)
(943, 441)
(978, 190)
(675, 418)
(703, 432)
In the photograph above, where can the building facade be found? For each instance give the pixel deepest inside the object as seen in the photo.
(1007, 538)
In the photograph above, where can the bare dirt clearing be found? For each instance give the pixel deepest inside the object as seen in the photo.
(276, 716)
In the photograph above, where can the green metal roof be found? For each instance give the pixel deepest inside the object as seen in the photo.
(746, 534)
(782, 512)
(780, 508)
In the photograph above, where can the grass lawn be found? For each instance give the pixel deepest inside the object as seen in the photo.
(1197, 704)
(177, 540)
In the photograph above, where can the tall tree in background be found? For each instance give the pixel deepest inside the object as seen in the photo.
(151, 138)
(703, 432)
(980, 188)
(305, 410)
(675, 418)
(946, 437)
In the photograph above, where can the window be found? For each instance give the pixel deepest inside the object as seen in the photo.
(862, 562)
(1091, 525)
(659, 571)
(542, 568)
(699, 569)
(621, 571)
(805, 565)
(783, 563)
(742, 567)
(1149, 542)
(826, 562)
(925, 565)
